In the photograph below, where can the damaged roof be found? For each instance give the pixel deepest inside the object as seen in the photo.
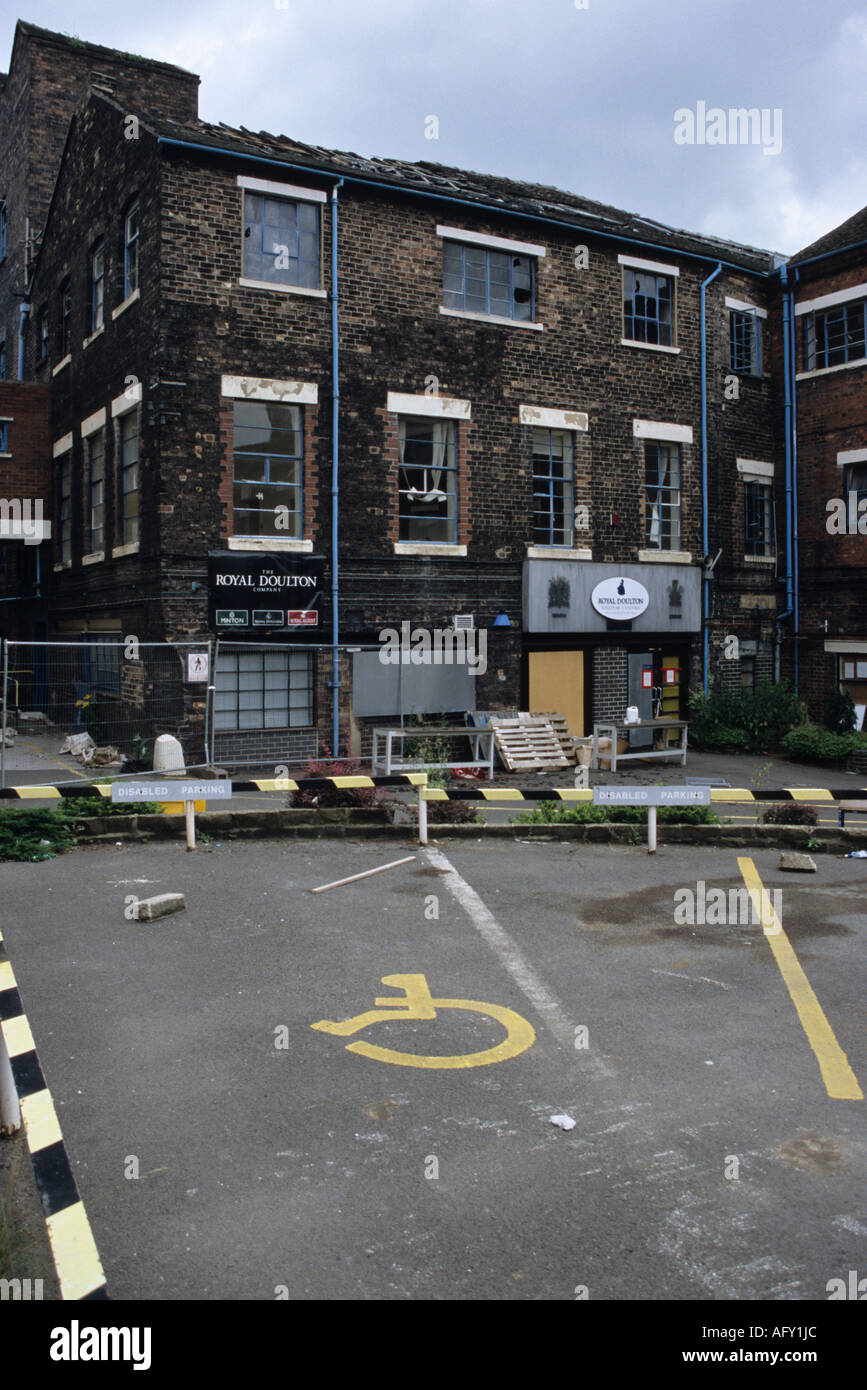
(439, 180)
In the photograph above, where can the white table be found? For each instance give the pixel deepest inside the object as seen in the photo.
(387, 762)
(607, 728)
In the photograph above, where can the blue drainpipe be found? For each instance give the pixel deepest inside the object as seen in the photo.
(787, 435)
(705, 542)
(335, 412)
(796, 576)
(23, 310)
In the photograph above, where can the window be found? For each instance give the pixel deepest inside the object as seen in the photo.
(855, 480)
(4, 436)
(64, 508)
(42, 344)
(65, 319)
(128, 477)
(552, 487)
(102, 663)
(263, 690)
(748, 672)
(2, 229)
(281, 241)
(97, 288)
(648, 307)
(95, 516)
(267, 446)
(2, 361)
(835, 336)
(745, 342)
(757, 518)
(481, 281)
(427, 488)
(130, 251)
(662, 496)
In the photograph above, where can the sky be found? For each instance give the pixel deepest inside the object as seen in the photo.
(585, 95)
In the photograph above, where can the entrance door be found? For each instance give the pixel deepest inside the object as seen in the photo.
(640, 692)
(557, 687)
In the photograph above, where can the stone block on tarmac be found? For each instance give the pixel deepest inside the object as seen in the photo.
(147, 909)
(801, 863)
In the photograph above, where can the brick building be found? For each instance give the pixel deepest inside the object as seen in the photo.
(555, 420)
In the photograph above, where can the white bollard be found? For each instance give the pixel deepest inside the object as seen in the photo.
(190, 814)
(10, 1110)
(168, 754)
(422, 817)
(651, 830)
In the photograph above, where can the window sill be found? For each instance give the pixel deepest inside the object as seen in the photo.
(131, 548)
(558, 552)
(490, 318)
(759, 560)
(94, 558)
(649, 347)
(64, 565)
(122, 308)
(282, 289)
(64, 362)
(432, 548)
(269, 543)
(5, 456)
(665, 557)
(93, 337)
(826, 371)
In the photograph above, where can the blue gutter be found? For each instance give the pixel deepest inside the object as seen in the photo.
(705, 542)
(796, 577)
(335, 492)
(502, 210)
(787, 435)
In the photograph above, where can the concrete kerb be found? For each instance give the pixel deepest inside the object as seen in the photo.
(342, 823)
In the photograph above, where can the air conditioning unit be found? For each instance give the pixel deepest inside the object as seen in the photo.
(463, 622)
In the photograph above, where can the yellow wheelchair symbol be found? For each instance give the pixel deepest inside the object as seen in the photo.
(419, 1004)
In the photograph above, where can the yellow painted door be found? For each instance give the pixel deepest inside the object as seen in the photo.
(557, 687)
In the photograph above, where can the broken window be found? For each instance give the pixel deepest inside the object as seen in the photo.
(662, 496)
(648, 307)
(553, 485)
(745, 342)
(427, 490)
(281, 241)
(268, 455)
(481, 281)
(836, 336)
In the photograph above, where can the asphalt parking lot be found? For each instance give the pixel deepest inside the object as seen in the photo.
(709, 1157)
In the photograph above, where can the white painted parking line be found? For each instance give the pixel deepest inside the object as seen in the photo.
(512, 959)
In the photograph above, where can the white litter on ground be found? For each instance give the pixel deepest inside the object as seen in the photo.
(563, 1121)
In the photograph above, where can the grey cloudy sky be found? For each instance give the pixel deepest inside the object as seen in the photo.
(542, 90)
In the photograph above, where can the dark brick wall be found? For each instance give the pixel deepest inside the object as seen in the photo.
(24, 475)
(50, 76)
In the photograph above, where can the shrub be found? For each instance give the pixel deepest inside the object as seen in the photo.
(839, 714)
(752, 719)
(557, 813)
(811, 743)
(332, 796)
(31, 836)
(77, 807)
(790, 813)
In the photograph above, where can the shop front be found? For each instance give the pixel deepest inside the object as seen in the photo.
(601, 637)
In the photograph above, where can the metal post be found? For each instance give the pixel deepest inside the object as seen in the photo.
(651, 830)
(422, 816)
(190, 813)
(5, 689)
(10, 1110)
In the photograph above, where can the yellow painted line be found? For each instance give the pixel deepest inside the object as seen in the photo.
(40, 1121)
(38, 793)
(809, 793)
(419, 1004)
(54, 761)
(76, 1258)
(7, 976)
(839, 1078)
(18, 1036)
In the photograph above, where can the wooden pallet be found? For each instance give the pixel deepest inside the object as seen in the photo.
(561, 729)
(528, 744)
